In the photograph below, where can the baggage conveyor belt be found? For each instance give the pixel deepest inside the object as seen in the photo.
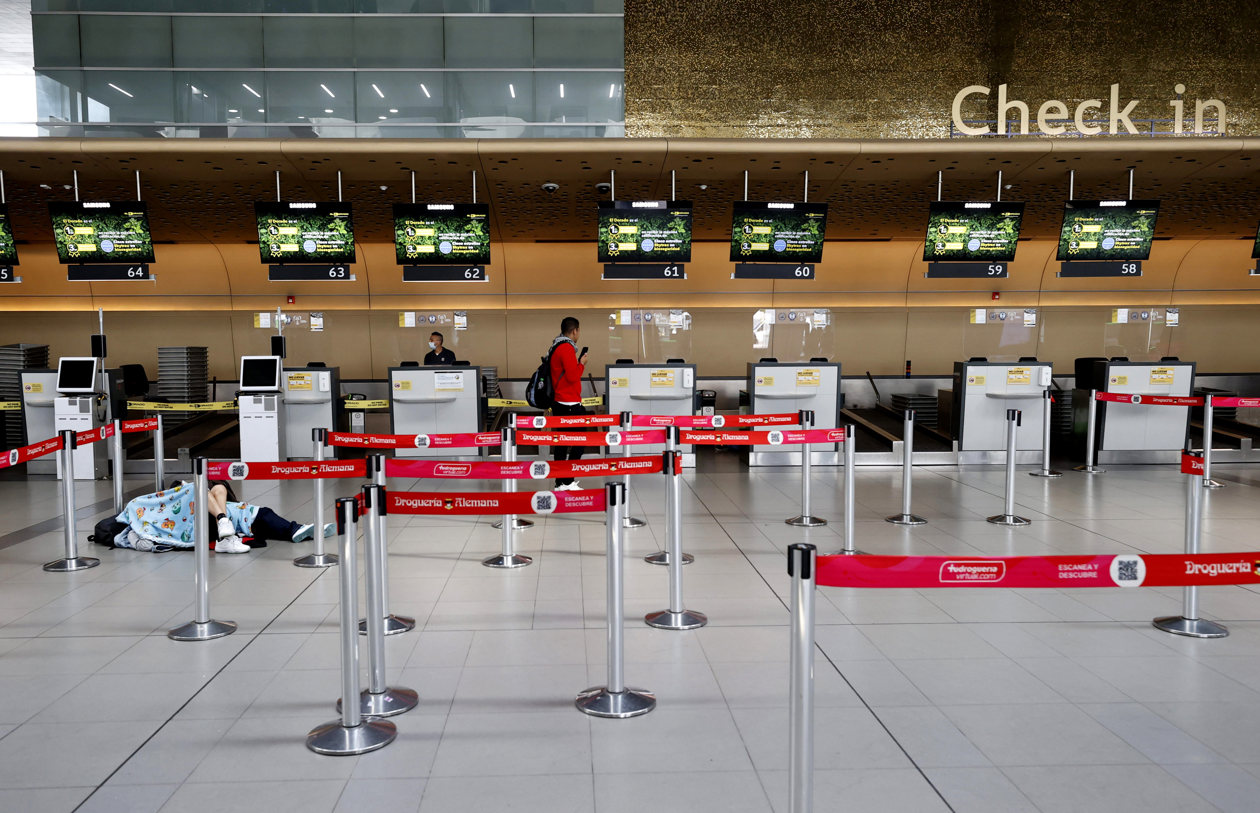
(879, 438)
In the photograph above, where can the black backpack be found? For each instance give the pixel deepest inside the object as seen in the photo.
(106, 530)
(540, 392)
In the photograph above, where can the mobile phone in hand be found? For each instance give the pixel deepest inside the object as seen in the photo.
(583, 353)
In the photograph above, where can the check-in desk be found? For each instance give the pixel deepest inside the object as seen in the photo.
(983, 391)
(652, 389)
(434, 401)
(776, 388)
(311, 401)
(39, 390)
(1142, 433)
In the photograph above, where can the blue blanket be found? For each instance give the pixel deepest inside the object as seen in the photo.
(164, 520)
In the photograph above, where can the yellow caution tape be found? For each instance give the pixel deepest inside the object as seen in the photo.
(10, 406)
(382, 404)
(158, 406)
(512, 403)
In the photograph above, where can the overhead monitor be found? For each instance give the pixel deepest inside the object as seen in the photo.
(442, 233)
(8, 247)
(979, 231)
(303, 232)
(260, 373)
(1108, 229)
(101, 232)
(77, 374)
(645, 231)
(778, 232)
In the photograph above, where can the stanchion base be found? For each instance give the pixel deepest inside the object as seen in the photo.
(1046, 473)
(806, 521)
(681, 620)
(394, 624)
(517, 525)
(71, 565)
(905, 519)
(394, 700)
(1009, 519)
(202, 630)
(1089, 469)
(1213, 484)
(316, 560)
(597, 701)
(336, 740)
(661, 557)
(1191, 627)
(632, 522)
(503, 561)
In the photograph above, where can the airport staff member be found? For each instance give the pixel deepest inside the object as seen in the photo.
(437, 353)
(567, 367)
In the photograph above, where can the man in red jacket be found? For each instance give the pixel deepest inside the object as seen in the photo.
(566, 380)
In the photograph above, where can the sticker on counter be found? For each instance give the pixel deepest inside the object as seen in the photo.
(403, 385)
(765, 381)
(300, 382)
(1172, 317)
(33, 388)
(1021, 376)
(619, 383)
(978, 316)
(809, 377)
(1161, 375)
(1030, 317)
(663, 378)
(448, 382)
(1121, 380)
(406, 318)
(975, 381)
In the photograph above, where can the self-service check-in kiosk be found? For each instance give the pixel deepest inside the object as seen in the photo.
(80, 406)
(1140, 433)
(39, 392)
(652, 389)
(311, 401)
(260, 406)
(777, 388)
(432, 401)
(983, 391)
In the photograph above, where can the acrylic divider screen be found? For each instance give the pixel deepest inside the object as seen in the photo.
(1003, 334)
(1140, 332)
(649, 336)
(794, 334)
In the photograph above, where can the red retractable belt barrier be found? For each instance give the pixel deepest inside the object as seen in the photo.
(495, 502)
(614, 438)
(139, 425)
(310, 470)
(1124, 570)
(448, 441)
(1152, 400)
(772, 437)
(1235, 402)
(15, 457)
(522, 470)
(716, 421)
(551, 421)
(93, 435)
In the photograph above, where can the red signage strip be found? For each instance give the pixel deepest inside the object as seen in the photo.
(772, 437)
(1124, 570)
(451, 441)
(562, 421)
(310, 470)
(495, 502)
(16, 457)
(1235, 402)
(93, 435)
(613, 438)
(715, 421)
(1152, 400)
(1191, 464)
(140, 425)
(522, 470)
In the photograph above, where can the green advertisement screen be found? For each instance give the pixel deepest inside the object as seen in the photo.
(442, 233)
(645, 231)
(101, 232)
(8, 248)
(298, 232)
(1108, 229)
(972, 230)
(778, 232)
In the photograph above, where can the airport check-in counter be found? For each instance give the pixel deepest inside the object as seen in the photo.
(983, 391)
(434, 401)
(311, 401)
(652, 389)
(775, 388)
(1142, 433)
(39, 390)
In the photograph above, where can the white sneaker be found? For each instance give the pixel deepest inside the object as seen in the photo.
(231, 544)
(575, 486)
(304, 533)
(226, 528)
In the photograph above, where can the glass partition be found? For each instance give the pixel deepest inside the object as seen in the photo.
(1140, 333)
(1003, 334)
(650, 335)
(794, 334)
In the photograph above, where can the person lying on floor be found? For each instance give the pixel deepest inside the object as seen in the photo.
(164, 521)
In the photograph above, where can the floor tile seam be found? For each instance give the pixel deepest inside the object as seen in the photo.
(1221, 758)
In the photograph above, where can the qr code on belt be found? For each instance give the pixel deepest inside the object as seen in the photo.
(1128, 570)
(543, 502)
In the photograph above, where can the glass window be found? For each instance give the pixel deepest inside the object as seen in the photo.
(506, 97)
(398, 42)
(489, 42)
(308, 42)
(578, 42)
(565, 98)
(129, 96)
(229, 98)
(56, 40)
(411, 101)
(218, 42)
(323, 101)
(488, 6)
(308, 6)
(125, 41)
(399, 6)
(58, 99)
(579, 6)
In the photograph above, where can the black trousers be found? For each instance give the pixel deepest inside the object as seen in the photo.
(568, 452)
(270, 525)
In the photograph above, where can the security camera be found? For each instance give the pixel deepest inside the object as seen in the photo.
(550, 187)
(703, 186)
(384, 187)
(603, 187)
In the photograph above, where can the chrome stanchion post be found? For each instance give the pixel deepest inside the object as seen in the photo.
(1208, 482)
(1046, 471)
(319, 558)
(850, 494)
(615, 699)
(1189, 623)
(627, 424)
(661, 557)
(1090, 438)
(159, 455)
(394, 624)
(508, 445)
(675, 618)
(507, 556)
(802, 560)
(202, 627)
(1008, 517)
(72, 561)
(805, 519)
(907, 473)
(116, 442)
(350, 734)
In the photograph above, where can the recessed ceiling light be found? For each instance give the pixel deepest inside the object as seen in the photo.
(378, 90)
(562, 90)
(612, 89)
(393, 110)
(512, 89)
(326, 90)
(120, 90)
(327, 109)
(251, 90)
(233, 110)
(427, 94)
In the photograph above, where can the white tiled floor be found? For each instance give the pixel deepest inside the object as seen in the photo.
(964, 700)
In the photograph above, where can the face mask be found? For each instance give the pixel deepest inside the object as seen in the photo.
(432, 346)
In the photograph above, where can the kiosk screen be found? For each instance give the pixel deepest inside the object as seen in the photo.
(440, 233)
(304, 232)
(1108, 229)
(260, 373)
(76, 374)
(778, 232)
(645, 231)
(101, 232)
(973, 230)
(8, 248)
